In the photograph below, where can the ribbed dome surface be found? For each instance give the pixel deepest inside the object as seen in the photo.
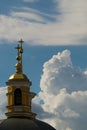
(24, 124)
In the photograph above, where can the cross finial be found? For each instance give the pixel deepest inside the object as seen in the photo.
(19, 57)
(21, 41)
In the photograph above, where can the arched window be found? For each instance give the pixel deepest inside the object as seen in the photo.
(17, 97)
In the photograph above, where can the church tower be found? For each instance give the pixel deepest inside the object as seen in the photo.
(19, 95)
(19, 114)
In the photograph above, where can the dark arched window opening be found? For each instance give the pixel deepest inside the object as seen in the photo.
(17, 97)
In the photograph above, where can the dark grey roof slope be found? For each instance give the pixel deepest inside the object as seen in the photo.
(24, 124)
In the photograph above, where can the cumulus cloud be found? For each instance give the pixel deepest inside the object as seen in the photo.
(63, 93)
(66, 27)
(59, 70)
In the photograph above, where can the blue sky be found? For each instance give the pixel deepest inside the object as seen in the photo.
(48, 27)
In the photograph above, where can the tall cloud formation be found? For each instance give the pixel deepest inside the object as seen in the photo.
(65, 27)
(63, 93)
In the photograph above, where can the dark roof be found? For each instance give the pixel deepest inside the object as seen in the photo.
(24, 124)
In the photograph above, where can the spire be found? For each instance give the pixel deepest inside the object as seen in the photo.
(19, 67)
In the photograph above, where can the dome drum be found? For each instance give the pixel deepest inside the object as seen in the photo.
(18, 82)
(21, 114)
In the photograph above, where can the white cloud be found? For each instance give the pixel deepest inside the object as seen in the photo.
(64, 93)
(69, 28)
(60, 72)
(3, 102)
(68, 113)
(28, 16)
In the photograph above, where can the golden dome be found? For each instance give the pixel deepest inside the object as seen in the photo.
(18, 76)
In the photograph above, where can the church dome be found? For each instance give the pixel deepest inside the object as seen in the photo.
(18, 76)
(24, 124)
